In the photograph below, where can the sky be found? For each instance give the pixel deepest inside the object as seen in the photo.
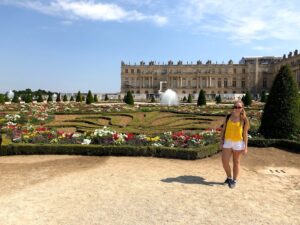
(78, 45)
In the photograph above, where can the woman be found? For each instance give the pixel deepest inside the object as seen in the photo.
(234, 140)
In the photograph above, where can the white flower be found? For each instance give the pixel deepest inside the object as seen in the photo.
(76, 135)
(86, 142)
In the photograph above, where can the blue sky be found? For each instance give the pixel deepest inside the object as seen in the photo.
(69, 45)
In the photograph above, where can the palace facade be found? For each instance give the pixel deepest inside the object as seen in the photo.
(254, 74)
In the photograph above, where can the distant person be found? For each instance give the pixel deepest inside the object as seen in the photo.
(234, 141)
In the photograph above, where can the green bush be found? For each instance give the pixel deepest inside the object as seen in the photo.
(58, 98)
(106, 97)
(78, 97)
(15, 99)
(281, 116)
(89, 98)
(263, 97)
(128, 98)
(184, 99)
(50, 99)
(2, 99)
(96, 98)
(285, 144)
(40, 98)
(247, 99)
(72, 99)
(96, 150)
(65, 98)
(201, 98)
(190, 99)
(218, 99)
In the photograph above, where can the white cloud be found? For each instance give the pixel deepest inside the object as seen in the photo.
(88, 10)
(244, 21)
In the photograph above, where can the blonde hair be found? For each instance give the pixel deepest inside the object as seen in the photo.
(243, 115)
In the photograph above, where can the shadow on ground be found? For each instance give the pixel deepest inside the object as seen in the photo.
(191, 180)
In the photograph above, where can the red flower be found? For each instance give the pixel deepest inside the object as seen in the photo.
(129, 137)
(41, 129)
(115, 136)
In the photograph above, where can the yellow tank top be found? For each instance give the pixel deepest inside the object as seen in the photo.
(234, 131)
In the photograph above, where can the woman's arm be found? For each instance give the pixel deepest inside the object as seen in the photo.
(245, 134)
(223, 133)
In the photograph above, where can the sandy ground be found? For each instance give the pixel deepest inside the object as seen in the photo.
(82, 190)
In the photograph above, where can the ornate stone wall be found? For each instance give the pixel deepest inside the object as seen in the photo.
(251, 73)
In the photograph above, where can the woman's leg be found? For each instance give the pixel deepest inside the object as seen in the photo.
(226, 154)
(236, 163)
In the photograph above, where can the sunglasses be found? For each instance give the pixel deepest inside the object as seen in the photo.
(237, 107)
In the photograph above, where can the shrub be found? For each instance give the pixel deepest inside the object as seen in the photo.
(6, 99)
(58, 98)
(78, 97)
(128, 98)
(152, 99)
(72, 99)
(201, 98)
(65, 98)
(106, 97)
(281, 116)
(247, 99)
(96, 98)
(89, 98)
(40, 98)
(190, 99)
(2, 99)
(50, 99)
(218, 99)
(184, 99)
(263, 97)
(15, 99)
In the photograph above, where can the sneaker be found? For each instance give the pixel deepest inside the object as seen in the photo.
(227, 181)
(232, 183)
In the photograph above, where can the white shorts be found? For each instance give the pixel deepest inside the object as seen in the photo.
(235, 145)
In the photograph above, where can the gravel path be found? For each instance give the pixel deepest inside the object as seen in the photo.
(80, 190)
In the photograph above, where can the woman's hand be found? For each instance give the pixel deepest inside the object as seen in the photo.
(245, 150)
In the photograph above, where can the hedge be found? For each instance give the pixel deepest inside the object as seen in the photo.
(99, 150)
(289, 145)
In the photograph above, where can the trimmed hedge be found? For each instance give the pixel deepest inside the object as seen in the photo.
(289, 145)
(98, 150)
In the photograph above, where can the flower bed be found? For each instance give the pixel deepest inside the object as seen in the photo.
(106, 136)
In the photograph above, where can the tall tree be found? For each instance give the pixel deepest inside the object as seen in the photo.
(40, 98)
(50, 99)
(201, 98)
(15, 99)
(128, 98)
(58, 98)
(2, 99)
(281, 116)
(190, 99)
(247, 100)
(65, 98)
(78, 97)
(89, 98)
(96, 98)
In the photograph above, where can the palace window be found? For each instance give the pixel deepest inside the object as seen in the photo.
(243, 83)
(219, 82)
(126, 70)
(234, 82)
(225, 82)
(264, 82)
(132, 70)
(234, 70)
(244, 70)
(138, 71)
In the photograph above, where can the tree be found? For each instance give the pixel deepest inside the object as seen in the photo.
(49, 99)
(218, 99)
(263, 97)
(281, 116)
(58, 98)
(190, 99)
(96, 98)
(2, 99)
(184, 99)
(78, 97)
(28, 98)
(15, 99)
(128, 98)
(6, 99)
(152, 98)
(40, 98)
(72, 99)
(106, 97)
(201, 98)
(89, 98)
(247, 100)
(82, 98)
(65, 98)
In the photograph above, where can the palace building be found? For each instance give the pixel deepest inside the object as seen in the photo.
(254, 74)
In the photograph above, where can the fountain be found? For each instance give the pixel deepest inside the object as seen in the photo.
(169, 97)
